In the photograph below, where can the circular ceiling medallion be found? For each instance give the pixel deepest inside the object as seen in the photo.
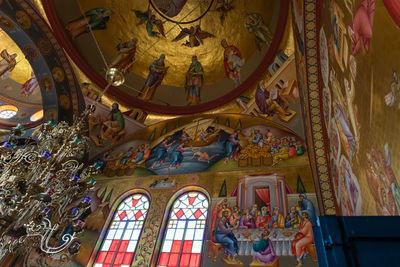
(164, 64)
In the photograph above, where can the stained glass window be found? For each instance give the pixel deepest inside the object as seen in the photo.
(118, 247)
(183, 236)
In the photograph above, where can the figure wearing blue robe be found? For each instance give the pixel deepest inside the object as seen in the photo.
(257, 138)
(177, 156)
(231, 145)
(308, 206)
(139, 157)
(225, 236)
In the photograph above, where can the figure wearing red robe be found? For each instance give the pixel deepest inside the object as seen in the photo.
(233, 61)
(302, 239)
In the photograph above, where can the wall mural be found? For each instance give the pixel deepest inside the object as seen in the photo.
(360, 88)
(209, 143)
(51, 71)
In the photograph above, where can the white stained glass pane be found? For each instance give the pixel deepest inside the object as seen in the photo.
(110, 234)
(129, 216)
(189, 234)
(118, 234)
(166, 246)
(170, 234)
(179, 234)
(199, 234)
(131, 246)
(121, 225)
(189, 213)
(114, 225)
(127, 235)
(131, 225)
(136, 234)
(124, 265)
(196, 248)
(191, 224)
(106, 245)
(181, 224)
(98, 265)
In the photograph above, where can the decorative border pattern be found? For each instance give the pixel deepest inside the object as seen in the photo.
(314, 108)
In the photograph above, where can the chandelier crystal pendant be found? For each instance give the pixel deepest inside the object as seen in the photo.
(44, 188)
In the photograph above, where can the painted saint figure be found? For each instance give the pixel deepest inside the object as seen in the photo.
(8, 63)
(278, 221)
(233, 61)
(94, 19)
(157, 72)
(111, 127)
(231, 147)
(247, 221)
(161, 153)
(308, 206)
(194, 81)
(264, 251)
(126, 56)
(225, 236)
(223, 7)
(177, 156)
(30, 85)
(302, 239)
(255, 24)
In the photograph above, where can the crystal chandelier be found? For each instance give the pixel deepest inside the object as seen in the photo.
(44, 188)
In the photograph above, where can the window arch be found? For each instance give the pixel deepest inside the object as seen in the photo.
(119, 244)
(184, 234)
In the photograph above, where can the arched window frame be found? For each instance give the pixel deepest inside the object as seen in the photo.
(166, 217)
(109, 220)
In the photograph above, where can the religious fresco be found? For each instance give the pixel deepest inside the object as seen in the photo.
(209, 143)
(225, 58)
(359, 95)
(34, 71)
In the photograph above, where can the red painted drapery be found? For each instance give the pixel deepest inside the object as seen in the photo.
(263, 193)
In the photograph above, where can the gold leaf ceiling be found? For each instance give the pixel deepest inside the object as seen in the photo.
(122, 27)
(22, 71)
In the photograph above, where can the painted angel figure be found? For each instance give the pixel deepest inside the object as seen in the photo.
(94, 19)
(255, 24)
(151, 21)
(126, 56)
(7, 64)
(195, 34)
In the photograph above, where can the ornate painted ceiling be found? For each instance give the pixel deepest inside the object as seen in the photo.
(253, 32)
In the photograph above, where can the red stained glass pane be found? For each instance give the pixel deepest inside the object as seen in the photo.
(128, 258)
(106, 265)
(191, 200)
(179, 213)
(176, 246)
(122, 215)
(135, 201)
(194, 260)
(138, 214)
(197, 213)
(118, 258)
(184, 260)
(123, 246)
(187, 246)
(101, 257)
(163, 259)
(114, 245)
(109, 257)
(173, 260)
